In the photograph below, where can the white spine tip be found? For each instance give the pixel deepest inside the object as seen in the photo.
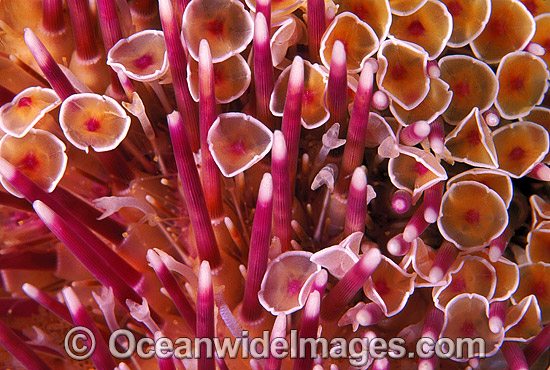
(421, 129)
(359, 179)
(436, 274)
(430, 215)
(410, 233)
(338, 53)
(261, 33)
(494, 254)
(495, 324)
(265, 194)
(278, 151)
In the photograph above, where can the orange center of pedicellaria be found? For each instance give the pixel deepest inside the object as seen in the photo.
(92, 124)
(294, 286)
(238, 147)
(381, 288)
(144, 61)
(420, 169)
(530, 5)
(454, 8)
(516, 83)
(458, 284)
(215, 26)
(416, 28)
(539, 289)
(472, 216)
(29, 162)
(398, 72)
(24, 102)
(516, 154)
(497, 27)
(308, 97)
(468, 329)
(473, 137)
(461, 89)
(360, 11)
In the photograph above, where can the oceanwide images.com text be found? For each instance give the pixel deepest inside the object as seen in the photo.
(80, 344)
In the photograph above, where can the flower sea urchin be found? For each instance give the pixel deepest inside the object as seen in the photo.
(162, 168)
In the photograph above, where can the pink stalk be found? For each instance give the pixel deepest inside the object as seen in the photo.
(101, 356)
(99, 265)
(380, 100)
(264, 7)
(308, 329)
(8, 200)
(46, 301)
(211, 180)
(88, 215)
(445, 257)
(355, 138)
(61, 203)
(320, 282)
(205, 316)
(115, 163)
(20, 350)
(83, 30)
(497, 316)
(180, 9)
(169, 282)
(499, 244)
(260, 239)
(28, 260)
(491, 116)
(263, 70)
(437, 136)
(381, 364)
(292, 116)
(432, 69)
(57, 79)
(349, 285)
(144, 7)
(370, 314)
(416, 225)
(193, 193)
(356, 209)
(414, 133)
(111, 32)
(337, 87)
(316, 19)
(514, 356)
(165, 361)
(282, 202)
(433, 324)
(432, 202)
(178, 65)
(397, 246)
(540, 172)
(401, 201)
(52, 16)
(279, 331)
(537, 346)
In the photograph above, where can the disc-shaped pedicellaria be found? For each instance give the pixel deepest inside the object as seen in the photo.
(92, 120)
(520, 146)
(378, 129)
(401, 73)
(404, 7)
(471, 142)
(469, 19)
(540, 211)
(510, 28)
(39, 155)
(415, 170)
(359, 39)
(429, 27)
(314, 112)
(436, 102)
(523, 80)
(237, 141)
(26, 109)
(141, 57)
(467, 316)
(523, 320)
(389, 286)
(507, 276)
(472, 275)
(494, 179)
(537, 7)
(472, 82)
(287, 282)
(534, 280)
(291, 32)
(471, 215)
(225, 24)
(542, 34)
(375, 13)
(538, 245)
(279, 8)
(231, 79)
(541, 116)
